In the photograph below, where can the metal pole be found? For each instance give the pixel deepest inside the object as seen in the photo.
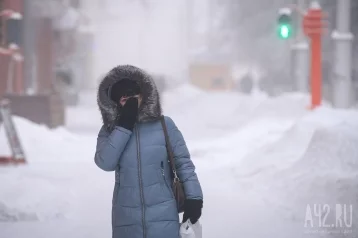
(189, 34)
(29, 49)
(210, 18)
(143, 37)
(342, 76)
(300, 53)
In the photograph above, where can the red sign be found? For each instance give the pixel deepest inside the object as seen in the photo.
(313, 23)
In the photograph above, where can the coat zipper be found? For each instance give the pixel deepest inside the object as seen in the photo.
(165, 181)
(140, 181)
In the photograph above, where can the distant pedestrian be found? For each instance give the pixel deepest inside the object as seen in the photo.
(246, 83)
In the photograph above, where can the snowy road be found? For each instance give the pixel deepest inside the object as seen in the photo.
(260, 161)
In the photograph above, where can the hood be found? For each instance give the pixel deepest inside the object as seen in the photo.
(150, 108)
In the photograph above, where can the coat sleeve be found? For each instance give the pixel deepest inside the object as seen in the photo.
(110, 147)
(184, 165)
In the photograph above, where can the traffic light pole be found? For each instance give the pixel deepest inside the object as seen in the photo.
(300, 55)
(314, 28)
(342, 81)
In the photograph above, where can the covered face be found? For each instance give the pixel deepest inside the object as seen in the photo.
(121, 91)
(124, 81)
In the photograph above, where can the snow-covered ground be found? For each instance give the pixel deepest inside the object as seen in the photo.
(261, 162)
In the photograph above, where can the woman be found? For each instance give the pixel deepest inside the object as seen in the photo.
(131, 142)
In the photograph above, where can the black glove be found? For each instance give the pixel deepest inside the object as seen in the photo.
(192, 210)
(128, 114)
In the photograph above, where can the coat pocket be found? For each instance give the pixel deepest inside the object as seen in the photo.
(164, 181)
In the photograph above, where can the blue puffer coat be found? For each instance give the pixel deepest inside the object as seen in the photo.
(143, 202)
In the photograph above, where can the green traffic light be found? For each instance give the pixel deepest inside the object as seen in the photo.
(284, 24)
(285, 31)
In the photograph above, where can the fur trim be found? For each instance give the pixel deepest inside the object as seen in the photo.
(150, 109)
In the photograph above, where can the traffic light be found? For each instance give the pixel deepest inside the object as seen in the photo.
(284, 24)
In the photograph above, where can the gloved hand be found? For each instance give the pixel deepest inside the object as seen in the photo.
(128, 114)
(192, 210)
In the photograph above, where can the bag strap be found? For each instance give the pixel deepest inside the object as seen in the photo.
(169, 149)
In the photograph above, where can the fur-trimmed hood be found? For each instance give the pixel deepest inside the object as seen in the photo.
(150, 109)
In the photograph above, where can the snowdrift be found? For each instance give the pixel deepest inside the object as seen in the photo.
(40, 143)
(314, 162)
(12, 215)
(327, 173)
(278, 151)
(27, 195)
(210, 113)
(37, 191)
(271, 157)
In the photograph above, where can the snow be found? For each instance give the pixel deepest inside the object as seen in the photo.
(155, 37)
(260, 160)
(343, 36)
(315, 5)
(68, 20)
(300, 46)
(285, 11)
